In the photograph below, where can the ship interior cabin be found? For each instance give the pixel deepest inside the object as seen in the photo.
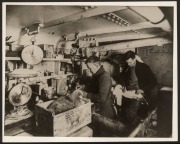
(48, 50)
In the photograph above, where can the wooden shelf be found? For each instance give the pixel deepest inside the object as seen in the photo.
(61, 60)
(13, 58)
(44, 59)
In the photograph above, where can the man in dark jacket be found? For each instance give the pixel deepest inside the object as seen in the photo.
(100, 89)
(140, 78)
(100, 93)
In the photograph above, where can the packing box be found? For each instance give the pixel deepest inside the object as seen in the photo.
(83, 132)
(62, 124)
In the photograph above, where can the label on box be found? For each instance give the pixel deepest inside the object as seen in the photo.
(72, 120)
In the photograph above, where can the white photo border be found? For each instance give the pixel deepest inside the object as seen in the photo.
(90, 139)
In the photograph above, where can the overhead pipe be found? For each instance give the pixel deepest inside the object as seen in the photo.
(132, 36)
(152, 22)
(159, 41)
(153, 15)
(128, 35)
(150, 13)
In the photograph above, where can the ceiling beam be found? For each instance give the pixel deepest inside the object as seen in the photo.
(89, 13)
(133, 44)
(164, 25)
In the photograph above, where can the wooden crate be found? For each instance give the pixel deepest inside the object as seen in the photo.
(83, 132)
(64, 123)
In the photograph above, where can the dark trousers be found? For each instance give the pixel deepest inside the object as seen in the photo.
(132, 111)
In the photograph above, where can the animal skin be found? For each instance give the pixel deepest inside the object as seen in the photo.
(65, 103)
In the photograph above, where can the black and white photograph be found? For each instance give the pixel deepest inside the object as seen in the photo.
(89, 71)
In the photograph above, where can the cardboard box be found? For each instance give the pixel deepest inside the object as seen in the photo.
(64, 123)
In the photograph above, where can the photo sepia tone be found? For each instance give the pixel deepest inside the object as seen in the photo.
(89, 72)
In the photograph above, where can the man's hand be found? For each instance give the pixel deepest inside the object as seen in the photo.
(80, 87)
